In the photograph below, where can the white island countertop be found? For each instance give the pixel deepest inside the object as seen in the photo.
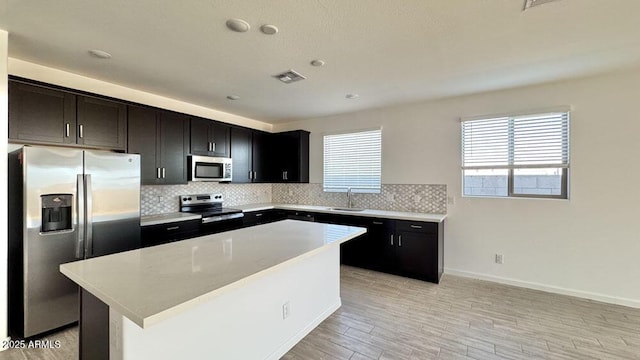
(151, 284)
(387, 214)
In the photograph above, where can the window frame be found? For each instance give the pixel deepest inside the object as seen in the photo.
(564, 179)
(353, 188)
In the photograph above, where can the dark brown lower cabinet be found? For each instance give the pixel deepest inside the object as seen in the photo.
(153, 235)
(407, 248)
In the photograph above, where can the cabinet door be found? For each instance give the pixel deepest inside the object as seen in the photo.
(241, 155)
(101, 123)
(291, 156)
(199, 136)
(417, 255)
(142, 138)
(262, 158)
(41, 115)
(174, 145)
(219, 138)
(381, 250)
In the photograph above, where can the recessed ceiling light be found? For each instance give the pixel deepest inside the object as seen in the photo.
(238, 25)
(99, 54)
(233, 97)
(268, 29)
(317, 62)
(352, 96)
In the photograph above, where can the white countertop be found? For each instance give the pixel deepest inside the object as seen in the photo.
(155, 283)
(398, 215)
(167, 218)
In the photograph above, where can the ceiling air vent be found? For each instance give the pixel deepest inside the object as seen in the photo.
(290, 76)
(531, 3)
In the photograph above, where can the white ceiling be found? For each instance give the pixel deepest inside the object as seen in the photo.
(387, 51)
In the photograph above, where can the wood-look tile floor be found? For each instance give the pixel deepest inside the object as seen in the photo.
(389, 317)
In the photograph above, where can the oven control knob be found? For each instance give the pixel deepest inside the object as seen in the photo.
(184, 199)
(189, 199)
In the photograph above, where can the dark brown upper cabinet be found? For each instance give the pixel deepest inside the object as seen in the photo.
(162, 140)
(209, 138)
(43, 115)
(101, 123)
(290, 160)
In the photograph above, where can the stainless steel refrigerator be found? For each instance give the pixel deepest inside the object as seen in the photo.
(64, 205)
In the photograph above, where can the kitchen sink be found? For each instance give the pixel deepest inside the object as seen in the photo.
(345, 209)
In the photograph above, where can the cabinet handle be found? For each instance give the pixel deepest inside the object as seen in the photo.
(67, 129)
(258, 215)
(81, 131)
(391, 239)
(416, 227)
(255, 174)
(164, 173)
(399, 240)
(173, 228)
(213, 146)
(158, 175)
(377, 223)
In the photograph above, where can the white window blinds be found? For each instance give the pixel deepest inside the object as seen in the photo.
(516, 142)
(353, 160)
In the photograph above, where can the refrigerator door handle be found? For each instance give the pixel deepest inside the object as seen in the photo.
(88, 244)
(80, 212)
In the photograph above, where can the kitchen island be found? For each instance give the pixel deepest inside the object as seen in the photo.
(245, 294)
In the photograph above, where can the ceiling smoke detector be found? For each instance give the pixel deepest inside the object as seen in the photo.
(531, 3)
(290, 76)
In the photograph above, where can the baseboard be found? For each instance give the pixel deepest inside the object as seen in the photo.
(5, 341)
(548, 288)
(284, 348)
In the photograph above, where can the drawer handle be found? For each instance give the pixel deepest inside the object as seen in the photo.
(377, 223)
(391, 239)
(257, 215)
(416, 227)
(399, 240)
(173, 228)
(67, 128)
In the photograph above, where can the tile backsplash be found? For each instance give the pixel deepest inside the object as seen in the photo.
(424, 198)
(158, 199)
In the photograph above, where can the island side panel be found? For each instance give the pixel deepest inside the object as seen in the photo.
(246, 323)
(94, 327)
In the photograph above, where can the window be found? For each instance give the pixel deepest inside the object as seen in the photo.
(516, 156)
(353, 160)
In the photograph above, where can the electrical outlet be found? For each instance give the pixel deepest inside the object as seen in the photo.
(417, 198)
(499, 259)
(391, 197)
(286, 310)
(451, 200)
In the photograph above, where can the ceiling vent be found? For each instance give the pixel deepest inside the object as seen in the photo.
(531, 3)
(290, 76)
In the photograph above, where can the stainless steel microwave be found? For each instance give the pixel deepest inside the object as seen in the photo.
(206, 168)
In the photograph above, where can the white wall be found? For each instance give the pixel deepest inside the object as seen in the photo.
(588, 246)
(49, 75)
(4, 115)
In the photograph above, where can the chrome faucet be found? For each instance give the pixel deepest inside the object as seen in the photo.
(349, 198)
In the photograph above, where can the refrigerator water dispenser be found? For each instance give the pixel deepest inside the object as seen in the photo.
(56, 212)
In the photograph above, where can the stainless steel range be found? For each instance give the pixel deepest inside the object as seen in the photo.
(215, 218)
